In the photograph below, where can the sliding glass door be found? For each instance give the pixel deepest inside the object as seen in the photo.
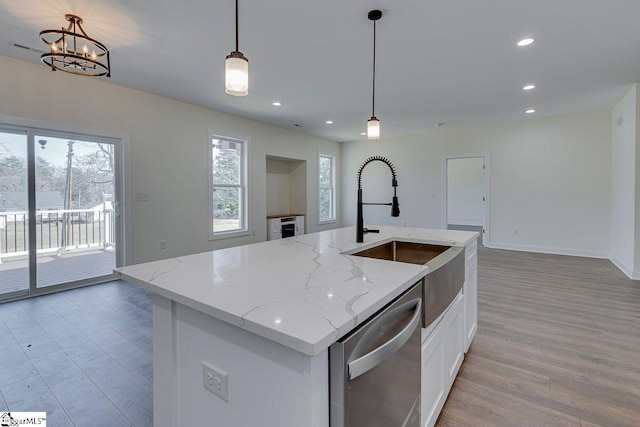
(58, 222)
(14, 229)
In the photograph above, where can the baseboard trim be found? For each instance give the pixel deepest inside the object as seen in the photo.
(630, 273)
(549, 250)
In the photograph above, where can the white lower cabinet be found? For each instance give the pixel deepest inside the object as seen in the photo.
(433, 381)
(471, 304)
(274, 231)
(299, 225)
(470, 291)
(442, 355)
(454, 340)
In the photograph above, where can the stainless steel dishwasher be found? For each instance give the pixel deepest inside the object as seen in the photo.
(375, 369)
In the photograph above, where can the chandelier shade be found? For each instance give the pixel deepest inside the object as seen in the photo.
(71, 50)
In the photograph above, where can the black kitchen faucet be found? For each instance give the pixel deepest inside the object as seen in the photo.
(395, 208)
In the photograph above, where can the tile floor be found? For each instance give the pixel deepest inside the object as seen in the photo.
(84, 356)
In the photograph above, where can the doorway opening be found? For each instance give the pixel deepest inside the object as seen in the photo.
(466, 204)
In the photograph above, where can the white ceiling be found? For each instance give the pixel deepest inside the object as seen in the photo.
(451, 61)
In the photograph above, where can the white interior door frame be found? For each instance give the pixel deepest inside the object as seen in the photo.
(486, 188)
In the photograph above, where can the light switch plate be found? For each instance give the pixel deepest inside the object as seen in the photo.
(216, 381)
(143, 197)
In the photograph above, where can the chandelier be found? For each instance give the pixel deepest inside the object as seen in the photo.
(71, 50)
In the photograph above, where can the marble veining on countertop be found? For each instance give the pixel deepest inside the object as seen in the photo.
(301, 292)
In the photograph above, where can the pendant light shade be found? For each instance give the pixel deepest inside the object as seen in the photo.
(236, 70)
(236, 74)
(373, 124)
(373, 128)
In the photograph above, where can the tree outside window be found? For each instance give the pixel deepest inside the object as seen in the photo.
(228, 189)
(326, 188)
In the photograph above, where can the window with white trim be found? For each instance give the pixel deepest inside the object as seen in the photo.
(326, 188)
(228, 186)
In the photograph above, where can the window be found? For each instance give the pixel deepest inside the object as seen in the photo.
(326, 189)
(228, 190)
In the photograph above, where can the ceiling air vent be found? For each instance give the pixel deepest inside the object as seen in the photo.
(24, 47)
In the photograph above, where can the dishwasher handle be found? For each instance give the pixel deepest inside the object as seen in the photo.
(372, 359)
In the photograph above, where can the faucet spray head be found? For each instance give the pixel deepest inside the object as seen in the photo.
(395, 207)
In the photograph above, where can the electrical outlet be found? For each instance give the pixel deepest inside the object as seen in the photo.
(216, 381)
(516, 231)
(163, 244)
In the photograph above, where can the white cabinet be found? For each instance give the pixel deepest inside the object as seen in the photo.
(470, 291)
(284, 226)
(299, 225)
(454, 339)
(442, 355)
(274, 230)
(433, 393)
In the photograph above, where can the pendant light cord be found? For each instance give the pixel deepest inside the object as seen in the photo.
(373, 98)
(237, 45)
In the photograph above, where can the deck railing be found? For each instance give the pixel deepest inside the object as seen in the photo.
(56, 230)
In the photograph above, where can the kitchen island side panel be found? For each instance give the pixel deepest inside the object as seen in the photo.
(269, 384)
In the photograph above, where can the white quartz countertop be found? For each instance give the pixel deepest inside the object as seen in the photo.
(301, 292)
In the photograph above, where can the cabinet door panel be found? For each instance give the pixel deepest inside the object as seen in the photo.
(454, 334)
(471, 305)
(433, 378)
(299, 225)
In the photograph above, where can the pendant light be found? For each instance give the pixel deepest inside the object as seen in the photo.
(236, 70)
(373, 124)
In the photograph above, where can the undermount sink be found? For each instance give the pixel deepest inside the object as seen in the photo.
(396, 250)
(444, 279)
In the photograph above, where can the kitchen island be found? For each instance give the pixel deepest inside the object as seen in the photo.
(265, 314)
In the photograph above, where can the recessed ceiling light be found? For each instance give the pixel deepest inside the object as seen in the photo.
(329, 122)
(276, 104)
(529, 87)
(530, 111)
(363, 133)
(525, 42)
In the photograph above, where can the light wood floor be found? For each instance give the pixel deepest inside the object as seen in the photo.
(558, 344)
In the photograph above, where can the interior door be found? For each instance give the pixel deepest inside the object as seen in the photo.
(466, 194)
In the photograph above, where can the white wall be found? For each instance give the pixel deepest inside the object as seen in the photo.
(465, 190)
(549, 178)
(623, 182)
(278, 192)
(168, 152)
(298, 188)
(286, 186)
